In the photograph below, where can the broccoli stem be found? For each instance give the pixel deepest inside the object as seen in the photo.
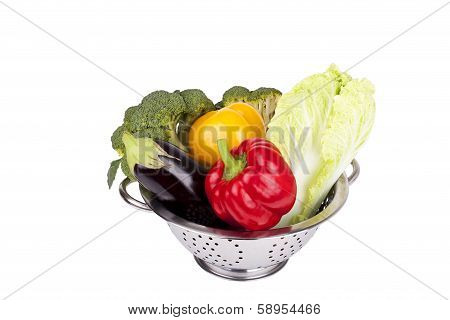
(175, 140)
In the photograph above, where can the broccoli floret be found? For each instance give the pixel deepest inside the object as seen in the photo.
(235, 94)
(128, 113)
(158, 133)
(198, 104)
(159, 112)
(116, 140)
(265, 101)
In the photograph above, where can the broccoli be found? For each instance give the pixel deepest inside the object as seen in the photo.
(235, 94)
(162, 115)
(128, 113)
(264, 100)
(167, 116)
(158, 116)
(116, 140)
(158, 133)
(198, 104)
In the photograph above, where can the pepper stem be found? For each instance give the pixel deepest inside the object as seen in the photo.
(233, 166)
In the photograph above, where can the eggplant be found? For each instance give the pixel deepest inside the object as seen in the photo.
(179, 186)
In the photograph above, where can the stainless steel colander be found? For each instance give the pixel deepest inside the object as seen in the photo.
(245, 255)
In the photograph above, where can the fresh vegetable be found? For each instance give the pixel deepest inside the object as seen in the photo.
(161, 112)
(319, 126)
(178, 184)
(161, 115)
(116, 140)
(235, 123)
(144, 151)
(114, 166)
(177, 177)
(264, 100)
(251, 187)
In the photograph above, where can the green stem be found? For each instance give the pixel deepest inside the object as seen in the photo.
(175, 140)
(233, 166)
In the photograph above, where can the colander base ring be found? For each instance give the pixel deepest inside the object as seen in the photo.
(240, 274)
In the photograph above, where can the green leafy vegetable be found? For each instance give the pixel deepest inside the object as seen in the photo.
(113, 171)
(319, 126)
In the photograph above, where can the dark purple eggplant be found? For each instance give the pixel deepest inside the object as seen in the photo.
(179, 186)
(181, 177)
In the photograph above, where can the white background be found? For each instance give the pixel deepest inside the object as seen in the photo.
(57, 112)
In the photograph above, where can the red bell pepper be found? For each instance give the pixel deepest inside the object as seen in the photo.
(251, 187)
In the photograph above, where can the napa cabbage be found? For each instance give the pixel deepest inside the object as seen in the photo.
(319, 126)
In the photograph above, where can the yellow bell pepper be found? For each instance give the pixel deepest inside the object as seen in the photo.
(236, 123)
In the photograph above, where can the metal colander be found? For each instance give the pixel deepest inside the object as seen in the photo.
(245, 255)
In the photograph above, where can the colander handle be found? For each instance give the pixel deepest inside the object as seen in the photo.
(129, 199)
(355, 173)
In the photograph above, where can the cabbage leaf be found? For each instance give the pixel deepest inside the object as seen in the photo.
(319, 127)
